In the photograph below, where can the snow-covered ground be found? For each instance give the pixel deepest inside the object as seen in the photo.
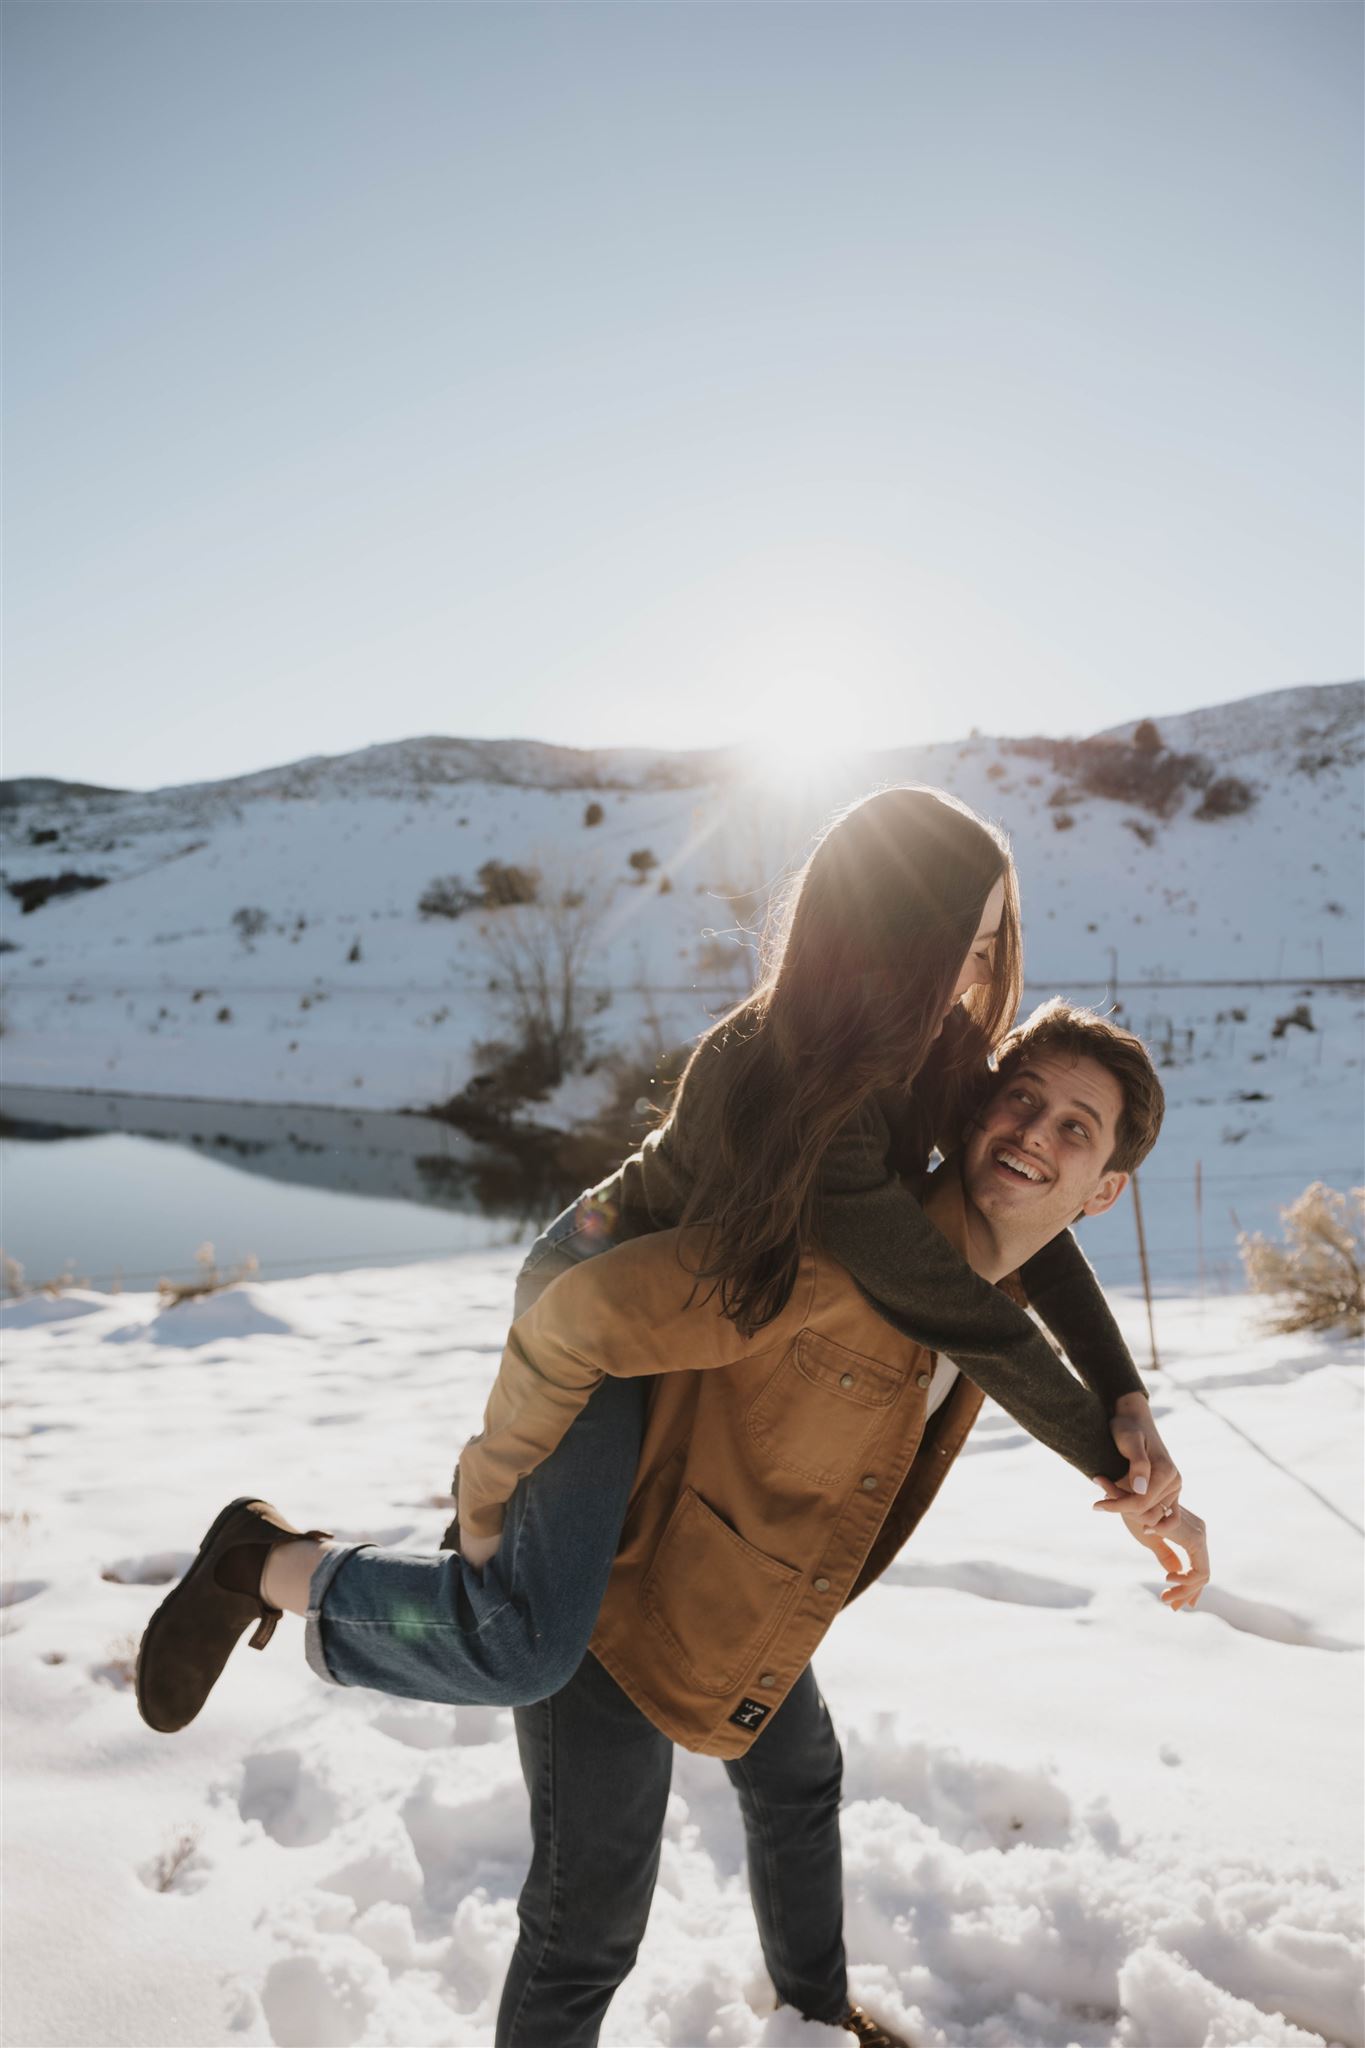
(1073, 1819)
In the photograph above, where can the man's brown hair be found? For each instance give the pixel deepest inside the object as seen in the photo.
(1061, 1027)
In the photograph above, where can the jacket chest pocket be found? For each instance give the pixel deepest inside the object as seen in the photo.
(822, 1408)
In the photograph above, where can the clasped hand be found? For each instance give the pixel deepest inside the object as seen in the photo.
(1149, 1502)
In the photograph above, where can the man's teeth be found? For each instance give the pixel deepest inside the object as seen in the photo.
(1012, 1159)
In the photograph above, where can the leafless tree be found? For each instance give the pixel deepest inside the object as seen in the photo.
(538, 953)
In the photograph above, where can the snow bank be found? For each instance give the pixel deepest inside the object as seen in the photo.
(1072, 1819)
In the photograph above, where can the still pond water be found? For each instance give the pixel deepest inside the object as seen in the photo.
(126, 1188)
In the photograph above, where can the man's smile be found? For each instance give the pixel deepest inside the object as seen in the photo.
(1014, 1165)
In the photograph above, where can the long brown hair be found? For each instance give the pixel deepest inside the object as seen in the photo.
(859, 964)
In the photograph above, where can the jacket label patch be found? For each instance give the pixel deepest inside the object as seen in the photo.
(751, 1713)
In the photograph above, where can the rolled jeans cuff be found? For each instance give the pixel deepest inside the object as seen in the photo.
(317, 1593)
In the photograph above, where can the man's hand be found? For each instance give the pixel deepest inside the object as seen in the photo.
(1183, 1584)
(1152, 1485)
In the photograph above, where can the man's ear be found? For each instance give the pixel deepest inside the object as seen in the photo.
(1106, 1194)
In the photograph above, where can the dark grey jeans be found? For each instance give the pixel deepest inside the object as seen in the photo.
(598, 1773)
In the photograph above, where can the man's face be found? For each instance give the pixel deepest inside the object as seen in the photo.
(1035, 1159)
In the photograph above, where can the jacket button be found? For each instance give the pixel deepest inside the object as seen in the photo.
(845, 1379)
(923, 1380)
(822, 1585)
(869, 1483)
(768, 1679)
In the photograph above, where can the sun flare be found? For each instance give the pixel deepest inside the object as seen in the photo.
(793, 756)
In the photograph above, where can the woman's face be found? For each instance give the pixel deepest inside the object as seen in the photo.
(978, 966)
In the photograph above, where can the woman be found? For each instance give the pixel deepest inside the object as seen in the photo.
(894, 974)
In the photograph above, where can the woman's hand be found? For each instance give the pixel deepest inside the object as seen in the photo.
(1184, 1584)
(1152, 1486)
(477, 1550)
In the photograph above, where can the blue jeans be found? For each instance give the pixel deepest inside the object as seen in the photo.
(598, 1774)
(430, 1627)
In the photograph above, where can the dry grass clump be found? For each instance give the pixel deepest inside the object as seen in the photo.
(1318, 1273)
(13, 1286)
(174, 1856)
(210, 1280)
(119, 1668)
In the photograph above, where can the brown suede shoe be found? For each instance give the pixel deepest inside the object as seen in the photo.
(870, 2032)
(190, 1637)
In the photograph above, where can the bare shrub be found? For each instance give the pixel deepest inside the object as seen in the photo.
(210, 1280)
(1299, 1018)
(594, 814)
(1227, 796)
(33, 893)
(11, 1277)
(448, 896)
(1318, 1273)
(638, 1092)
(503, 885)
(249, 923)
(1062, 821)
(539, 952)
(1140, 830)
(642, 860)
(1146, 738)
(1152, 779)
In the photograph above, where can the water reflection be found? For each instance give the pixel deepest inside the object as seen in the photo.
(131, 1185)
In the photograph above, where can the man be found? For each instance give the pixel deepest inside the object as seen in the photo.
(769, 1494)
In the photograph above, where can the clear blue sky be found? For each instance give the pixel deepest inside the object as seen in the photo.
(643, 374)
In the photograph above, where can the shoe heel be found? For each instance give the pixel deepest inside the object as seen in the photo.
(265, 1627)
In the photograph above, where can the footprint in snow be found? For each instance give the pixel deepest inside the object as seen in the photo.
(1262, 1618)
(13, 1591)
(311, 2005)
(990, 1581)
(420, 1726)
(294, 1806)
(155, 1568)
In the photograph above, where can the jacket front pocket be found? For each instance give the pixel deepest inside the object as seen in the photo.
(822, 1408)
(713, 1598)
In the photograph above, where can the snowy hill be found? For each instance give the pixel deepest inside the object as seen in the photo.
(1287, 727)
(345, 993)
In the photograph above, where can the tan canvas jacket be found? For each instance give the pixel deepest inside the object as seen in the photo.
(777, 1478)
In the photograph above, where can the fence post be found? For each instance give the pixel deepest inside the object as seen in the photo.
(1199, 1219)
(1146, 1274)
